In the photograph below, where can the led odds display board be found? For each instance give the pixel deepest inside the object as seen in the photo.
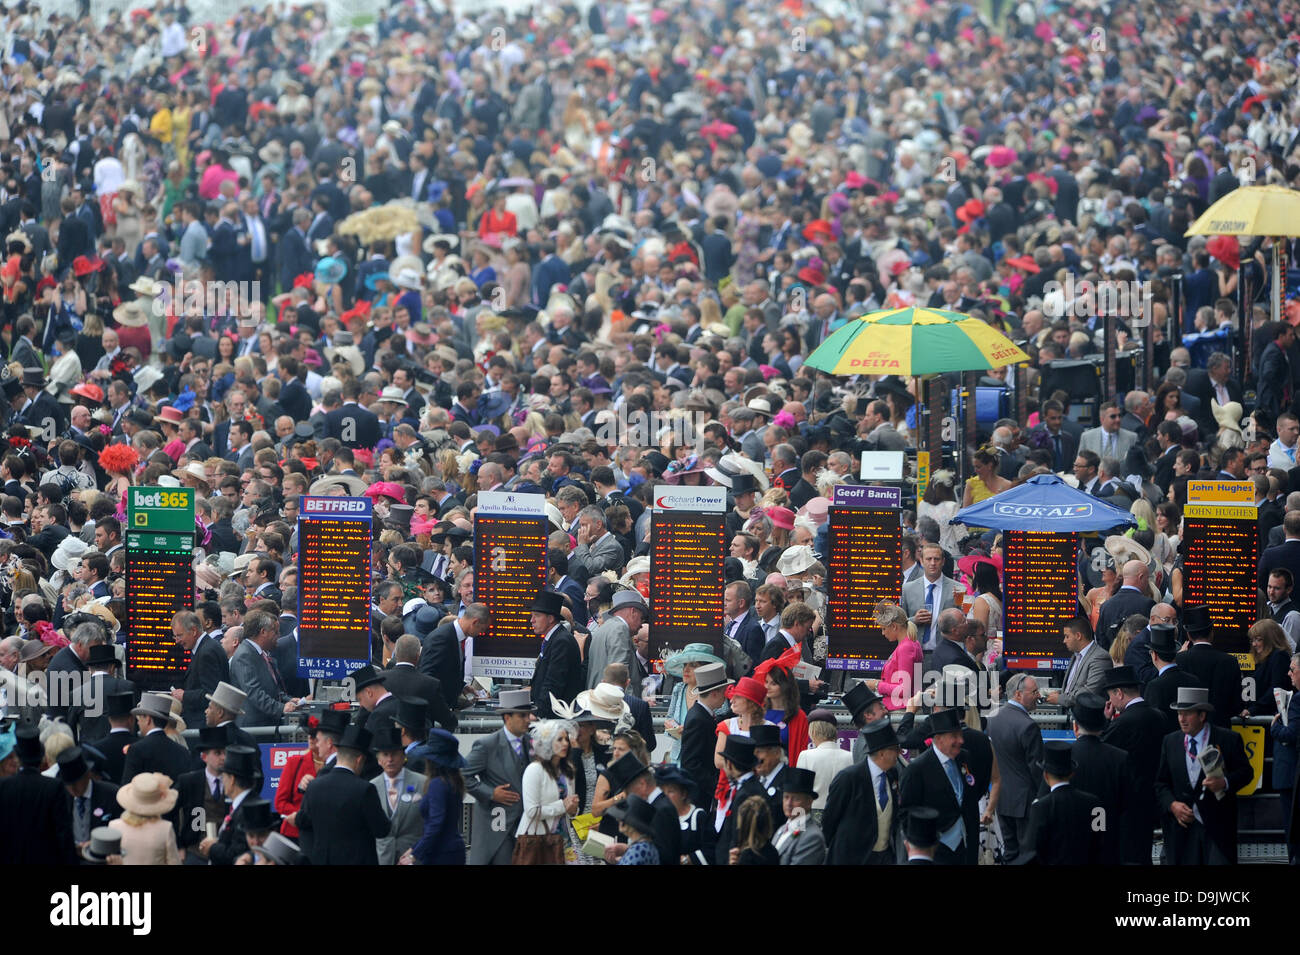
(159, 582)
(334, 552)
(1221, 541)
(510, 532)
(864, 542)
(688, 537)
(1040, 586)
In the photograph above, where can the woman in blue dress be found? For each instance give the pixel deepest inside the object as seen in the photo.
(441, 806)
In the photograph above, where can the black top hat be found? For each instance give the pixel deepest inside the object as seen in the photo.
(243, 761)
(27, 744)
(1058, 759)
(101, 654)
(880, 737)
(366, 676)
(766, 734)
(386, 737)
(635, 812)
(622, 771)
(1163, 640)
(333, 722)
(1117, 677)
(357, 737)
(859, 698)
(656, 461)
(119, 704)
(1196, 619)
(258, 815)
(399, 515)
(800, 781)
(945, 721)
(1089, 711)
(670, 774)
(213, 737)
(72, 765)
(743, 483)
(921, 827)
(548, 602)
(740, 751)
(33, 378)
(412, 714)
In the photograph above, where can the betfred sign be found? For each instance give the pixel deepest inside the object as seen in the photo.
(335, 506)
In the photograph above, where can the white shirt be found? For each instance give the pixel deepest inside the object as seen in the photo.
(1194, 762)
(1280, 456)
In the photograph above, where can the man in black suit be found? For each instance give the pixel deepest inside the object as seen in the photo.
(718, 257)
(1162, 691)
(1169, 436)
(951, 646)
(113, 745)
(1100, 769)
(371, 694)
(241, 778)
(441, 656)
(628, 774)
(745, 628)
(1216, 670)
(700, 729)
(1214, 381)
(1062, 823)
(341, 816)
(86, 716)
(92, 802)
(1052, 435)
(208, 666)
(1199, 827)
(72, 661)
(858, 797)
(260, 578)
(352, 425)
(738, 761)
(201, 796)
(406, 681)
(1286, 554)
(940, 779)
(155, 752)
(1138, 730)
(35, 813)
(294, 255)
(1131, 598)
(559, 664)
(1018, 743)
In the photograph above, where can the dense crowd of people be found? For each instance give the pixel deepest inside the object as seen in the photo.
(587, 253)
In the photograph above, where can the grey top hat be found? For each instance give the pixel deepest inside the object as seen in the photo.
(280, 850)
(155, 705)
(104, 842)
(627, 598)
(711, 676)
(1193, 698)
(516, 701)
(229, 698)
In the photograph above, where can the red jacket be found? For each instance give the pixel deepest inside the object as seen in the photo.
(287, 797)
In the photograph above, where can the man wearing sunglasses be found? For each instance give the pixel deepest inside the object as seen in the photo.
(1108, 440)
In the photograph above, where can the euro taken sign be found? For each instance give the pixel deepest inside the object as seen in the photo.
(162, 510)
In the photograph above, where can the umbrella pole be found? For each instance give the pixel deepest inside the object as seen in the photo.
(970, 427)
(1148, 340)
(1277, 286)
(1245, 300)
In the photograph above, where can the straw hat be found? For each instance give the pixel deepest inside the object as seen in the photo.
(148, 794)
(131, 314)
(1227, 416)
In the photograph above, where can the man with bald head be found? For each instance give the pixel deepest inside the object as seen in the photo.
(1132, 597)
(826, 319)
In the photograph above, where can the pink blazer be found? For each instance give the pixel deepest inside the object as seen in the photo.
(897, 678)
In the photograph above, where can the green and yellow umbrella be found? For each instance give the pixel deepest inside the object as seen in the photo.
(914, 341)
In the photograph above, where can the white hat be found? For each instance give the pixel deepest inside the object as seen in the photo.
(69, 549)
(605, 701)
(795, 560)
(637, 565)
(394, 394)
(407, 278)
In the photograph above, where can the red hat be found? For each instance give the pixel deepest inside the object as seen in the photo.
(1024, 262)
(750, 689)
(854, 179)
(812, 276)
(781, 517)
(83, 266)
(1226, 249)
(89, 391)
(1258, 100)
(818, 230)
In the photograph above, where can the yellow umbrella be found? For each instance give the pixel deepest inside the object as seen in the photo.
(914, 341)
(1252, 210)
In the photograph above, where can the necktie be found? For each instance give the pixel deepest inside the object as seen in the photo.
(392, 795)
(1058, 462)
(258, 241)
(954, 836)
(275, 671)
(954, 777)
(81, 818)
(1110, 446)
(882, 791)
(929, 605)
(1191, 746)
(216, 788)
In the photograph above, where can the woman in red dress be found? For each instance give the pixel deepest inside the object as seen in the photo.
(497, 221)
(298, 772)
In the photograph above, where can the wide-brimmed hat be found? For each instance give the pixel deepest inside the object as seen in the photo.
(516, 701)
(170, 415)
(740, 751)
(451, 239)
(637, 565)
(750, 689)
(354, 485)
(795, 560)
(1227, 416)
(131, 314)
(70, 548)
(394, 394)
(229, 697)
(442, 749)
(34, 650)
(407, 278)
(147, 794)
(155, 705)
(331, 270)
(604, 702)
(634, 811)
(195, 472)
(104, 842)
(629, 598)
(691, 653)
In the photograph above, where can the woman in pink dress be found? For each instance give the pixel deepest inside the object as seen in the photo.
(898, 680)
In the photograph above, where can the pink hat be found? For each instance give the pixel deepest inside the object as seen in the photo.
(816, 509)
(781, 517)
(386, 489)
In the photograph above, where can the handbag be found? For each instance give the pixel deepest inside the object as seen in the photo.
(538, 850)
